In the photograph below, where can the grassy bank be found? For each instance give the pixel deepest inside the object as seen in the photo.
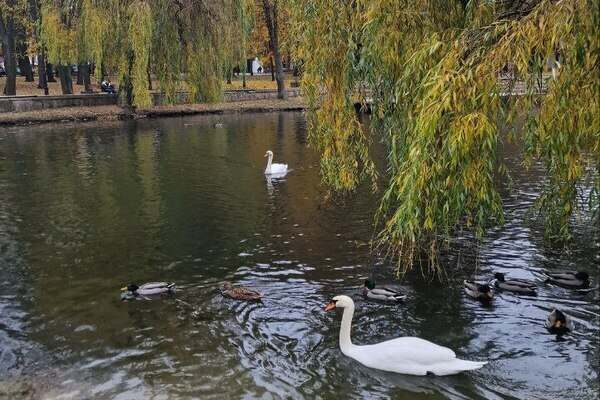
(256, 82)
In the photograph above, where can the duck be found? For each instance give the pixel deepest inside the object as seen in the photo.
(558, 322)
(515, 285)
(403, 355)
(274, 169)
(479, 291)
(148, 289)
(240, 293)
(381, 293)
(568, 279)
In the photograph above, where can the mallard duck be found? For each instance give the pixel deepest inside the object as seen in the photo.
(381, 293)
(479, 291)
(569, 279)
(240, 293)
(558, 322)
(515, 285)
(148, 289)
(403, 355)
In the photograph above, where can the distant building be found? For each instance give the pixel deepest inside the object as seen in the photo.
(257, 67)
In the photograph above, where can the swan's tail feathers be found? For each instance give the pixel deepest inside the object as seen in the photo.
(470, 365)
(457, 366)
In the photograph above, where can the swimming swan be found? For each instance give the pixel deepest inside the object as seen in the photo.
(404, 355)
(273, 169)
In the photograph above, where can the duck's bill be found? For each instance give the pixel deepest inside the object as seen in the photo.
(558, 324)
(124, 289)
(330, 306)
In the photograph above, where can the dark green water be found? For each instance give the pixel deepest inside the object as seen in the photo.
(87, 208)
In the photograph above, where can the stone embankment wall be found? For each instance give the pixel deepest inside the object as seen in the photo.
(33, 103)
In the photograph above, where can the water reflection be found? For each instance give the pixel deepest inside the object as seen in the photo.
(87, 208)
(274, 179)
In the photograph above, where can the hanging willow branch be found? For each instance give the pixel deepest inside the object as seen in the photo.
(432, 68)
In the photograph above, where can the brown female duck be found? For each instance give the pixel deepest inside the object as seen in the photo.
(240, 293)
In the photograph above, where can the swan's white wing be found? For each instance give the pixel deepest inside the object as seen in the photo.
(278, 168)
(411, 355)
(406, 350)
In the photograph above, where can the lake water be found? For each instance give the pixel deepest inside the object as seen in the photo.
(85, 209)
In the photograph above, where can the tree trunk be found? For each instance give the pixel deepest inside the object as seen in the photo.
(7, 31)
(84, 72)
(126, 93)
(270, 10)
(272, 68)
(66, 82)
(102, 74)
(42, 77)
(126, 88)
(149, 78)
(34, 15)
(24, 62)
(50, 73)
(80, 74)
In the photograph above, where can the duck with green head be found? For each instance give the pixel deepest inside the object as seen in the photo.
(480, 291)
(568, 279)
(521, 286)
(146, 290)
(371, 291)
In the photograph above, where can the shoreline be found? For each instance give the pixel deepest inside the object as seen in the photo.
(116, 113)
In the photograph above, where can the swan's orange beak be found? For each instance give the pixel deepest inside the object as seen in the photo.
(330, 306)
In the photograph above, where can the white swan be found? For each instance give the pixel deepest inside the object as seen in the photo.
(273, 169)
(404, 355)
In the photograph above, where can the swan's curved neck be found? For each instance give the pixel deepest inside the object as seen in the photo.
(270, 160)
(345, 341)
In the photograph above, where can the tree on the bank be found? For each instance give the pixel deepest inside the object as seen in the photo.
(271, 14)
(10, 11)
(246, 24)
(19, 30)
(196, 42)
(179, 40)
(237, 28)
(432, 67)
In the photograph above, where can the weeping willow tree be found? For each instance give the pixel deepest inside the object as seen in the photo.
(246, 20)
(182, 40)
(58, 34)
(432, 72)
